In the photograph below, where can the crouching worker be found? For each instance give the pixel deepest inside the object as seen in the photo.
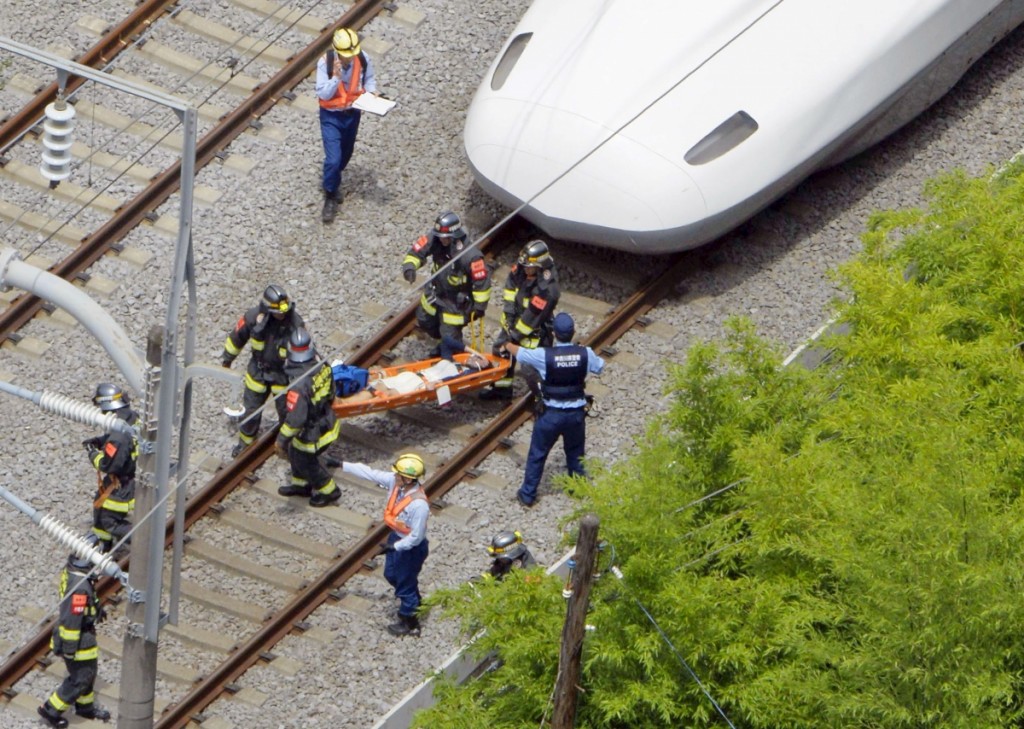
(407, 547)
(74, 638)
(509, 552)
(310, 425)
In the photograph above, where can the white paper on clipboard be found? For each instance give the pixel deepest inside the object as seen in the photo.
(373, 104)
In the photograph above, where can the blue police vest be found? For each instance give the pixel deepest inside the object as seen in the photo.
(566, 372)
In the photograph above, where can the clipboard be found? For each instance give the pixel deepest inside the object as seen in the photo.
(374, 104)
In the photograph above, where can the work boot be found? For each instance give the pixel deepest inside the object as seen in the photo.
(406, 625)
(52, 717)
(331, 202)
(237, 450)
(321, 499)
(92, 711)
(332, 462)
(293, 490)
(496, 393)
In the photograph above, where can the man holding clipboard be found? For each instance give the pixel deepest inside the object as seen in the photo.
(343, 75)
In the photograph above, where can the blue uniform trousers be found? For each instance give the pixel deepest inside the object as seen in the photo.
(338, 130)
(402, 571)
(553, 423)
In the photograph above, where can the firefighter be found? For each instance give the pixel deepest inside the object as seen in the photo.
(114, 456)
(310, 425)
(407, 547)
(508, 551)
(266, 328)
(460, 285)
(530, 296)
(74, 638)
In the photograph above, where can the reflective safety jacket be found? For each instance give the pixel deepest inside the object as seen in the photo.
(115, 461)
(346, 94)
(528, 306)
(310, 423)
(74, 636)
(464, 286)
(268, 340)
(395, 506)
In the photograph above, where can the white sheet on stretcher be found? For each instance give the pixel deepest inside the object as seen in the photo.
(405, 382)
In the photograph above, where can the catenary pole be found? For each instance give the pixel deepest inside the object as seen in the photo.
(569, 658)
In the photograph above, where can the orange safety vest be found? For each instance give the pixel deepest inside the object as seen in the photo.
(392, 510)
(345, 97)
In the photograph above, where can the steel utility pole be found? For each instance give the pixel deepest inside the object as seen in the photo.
(567, 684)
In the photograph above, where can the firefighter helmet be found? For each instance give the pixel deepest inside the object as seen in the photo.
(346, 42)
(275, 300)
(536, 254)
(410, 465)
(109, 397)
(507, 545)
(300, 347)
(447, 225)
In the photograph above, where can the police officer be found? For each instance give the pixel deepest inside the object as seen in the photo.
(74, 638)
(508, 551)
(114, 456)
(459, 294)
(407, 547)
(310, 425)
(266, 328)
(342, 75)
(563, 370)
(531, 294)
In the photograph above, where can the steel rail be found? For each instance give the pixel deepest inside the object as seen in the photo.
(96, 244)
(105, 50)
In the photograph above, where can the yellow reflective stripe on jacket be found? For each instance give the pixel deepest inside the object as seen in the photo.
(122, 507)
(258, 345)
(523, 328)
(325, 440)
(482, 297)
(410, 258)
(287, 431)
(254, 385)
(96, 460)
(72, 636)
(230, 347)
(452, 319)
(88, 654)
(427, 306)
(509, 295)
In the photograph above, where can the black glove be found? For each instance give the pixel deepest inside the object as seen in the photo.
(94, 442)
(409, 274)
(226, 361)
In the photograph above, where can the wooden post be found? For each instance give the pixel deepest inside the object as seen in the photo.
(567, 684)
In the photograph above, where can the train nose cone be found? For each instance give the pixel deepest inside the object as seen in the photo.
(575, 175)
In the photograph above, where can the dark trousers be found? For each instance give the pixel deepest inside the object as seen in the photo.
(402, 571)
(338, 131)
(553, 423)
(110, 527)
(76, 688)
(308, 470)
(252, 401)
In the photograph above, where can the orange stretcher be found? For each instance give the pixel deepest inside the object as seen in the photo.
(424, 381)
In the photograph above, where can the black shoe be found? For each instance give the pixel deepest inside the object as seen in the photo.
(51, 717)
(321, 499)
(524, 502)
(237, 450)
(331, 462)
(406, 625)
(330, 210)
(93, 712)
(292, 490)
(496, 393)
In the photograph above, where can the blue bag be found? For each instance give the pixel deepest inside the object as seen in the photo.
(349, 379)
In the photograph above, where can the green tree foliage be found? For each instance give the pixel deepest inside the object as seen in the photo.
(835, 548)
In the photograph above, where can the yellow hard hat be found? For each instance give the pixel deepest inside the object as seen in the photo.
(346, 42)
(409, 464)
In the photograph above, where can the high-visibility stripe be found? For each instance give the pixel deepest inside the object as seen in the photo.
(121, 507)
(253, 385)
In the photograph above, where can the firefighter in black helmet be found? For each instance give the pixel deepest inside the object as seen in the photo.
(310, 425)
(460, 285)
(114, 456)
(508, 551)
(266, 328)
(531, 294)
(74, 639)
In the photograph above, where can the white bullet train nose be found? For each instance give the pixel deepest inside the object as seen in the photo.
(576, 178)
